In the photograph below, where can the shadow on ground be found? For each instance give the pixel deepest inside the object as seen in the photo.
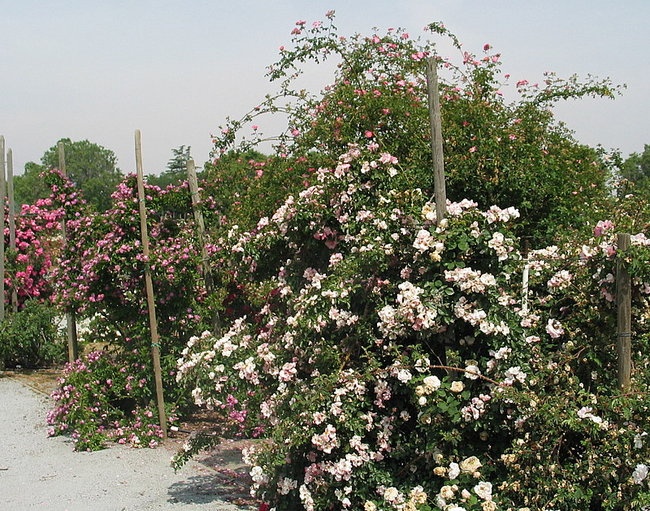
(204, 489)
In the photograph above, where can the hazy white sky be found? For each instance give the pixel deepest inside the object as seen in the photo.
(99, 70)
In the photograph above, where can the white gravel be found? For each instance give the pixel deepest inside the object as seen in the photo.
(37, 472)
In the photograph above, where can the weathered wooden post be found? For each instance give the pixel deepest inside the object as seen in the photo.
(151, 302)
(12, 222)
(200, 233)
(70, 315)
(624, 314)
(435, 119)
(3, 194)
(525, 249)
(439, 190)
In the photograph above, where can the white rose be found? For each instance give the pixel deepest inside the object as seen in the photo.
(484, 490)
(432, 382)
(454, 471)
(470, 465)
(457, 386)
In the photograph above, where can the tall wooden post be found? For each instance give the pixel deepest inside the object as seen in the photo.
(525, 249)
(12, 222)
(200, 233)
(624, 315)
(435, 120)
(3, 194)
(70, 314)
(151, 302)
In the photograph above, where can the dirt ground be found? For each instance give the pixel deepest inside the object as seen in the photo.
(231, 479)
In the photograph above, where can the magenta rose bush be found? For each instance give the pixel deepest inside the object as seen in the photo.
(100, 398)
(38, 241)
(30, 336)
(100, 275)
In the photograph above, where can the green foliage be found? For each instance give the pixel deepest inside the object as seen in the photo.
(30, 187)
(176, 171)
(91, 167)
(497, 151)
(31, 337)
(103, 397)
(246, 186)
(635, 171)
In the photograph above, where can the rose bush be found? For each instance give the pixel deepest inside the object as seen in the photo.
(38, 242)
(100, 275)
(502, 143)
(392, 362)
(106, 397)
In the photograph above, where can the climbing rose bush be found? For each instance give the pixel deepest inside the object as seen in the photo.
(503, 144)
(390, 361)
(100, 276)
(39, 241)
(100, 273)
(103, 398)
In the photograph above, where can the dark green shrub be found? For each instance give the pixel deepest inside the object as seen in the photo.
(31, 337)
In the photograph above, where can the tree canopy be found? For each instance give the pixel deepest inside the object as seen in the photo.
(176, 171)
(635, 170)
(91, 167)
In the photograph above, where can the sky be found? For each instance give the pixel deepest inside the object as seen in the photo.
(175, 69)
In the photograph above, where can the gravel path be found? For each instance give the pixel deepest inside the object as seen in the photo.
(37, 472)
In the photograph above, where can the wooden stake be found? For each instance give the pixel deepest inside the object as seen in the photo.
(435, 120)
(525, 277)
(3, 194)
(624, 315)
(70, 315)
(151, 303)
(200, 233)
(12, 222)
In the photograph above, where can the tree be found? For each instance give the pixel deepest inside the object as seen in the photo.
(91, 167)
(176, 171)
(635, 170)
(30, 186)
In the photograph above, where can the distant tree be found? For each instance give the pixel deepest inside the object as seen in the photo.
(176, 171)
(636, 171)
(91, 167)
(30, 187)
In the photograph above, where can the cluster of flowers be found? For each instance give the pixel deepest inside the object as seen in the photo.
(357, 303)
(336, 366)
(103, 264)
(100, 399)
(38, 240)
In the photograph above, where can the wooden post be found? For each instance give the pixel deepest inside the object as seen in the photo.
(3, 194)
(151, 303)
(12, 222)
(70, 315)
(525, 275)
(435, 119)
(624, 314)
(200, 233)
